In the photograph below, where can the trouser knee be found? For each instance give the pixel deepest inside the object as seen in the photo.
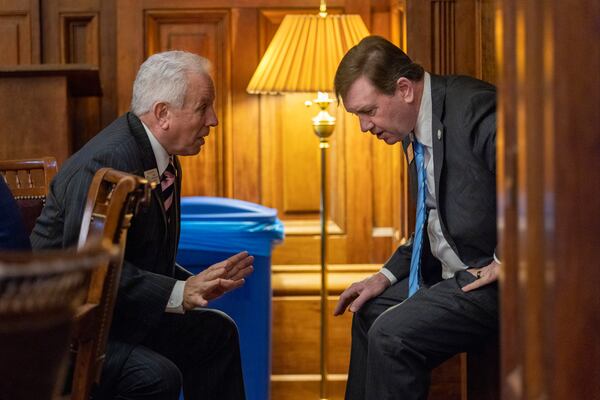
(158, 379)
(385, 339)
(364, 317)
(229, 328)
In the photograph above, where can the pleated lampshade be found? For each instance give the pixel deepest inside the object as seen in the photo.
(305, 52)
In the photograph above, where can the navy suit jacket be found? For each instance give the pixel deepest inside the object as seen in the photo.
(464, 158)
(149, 270)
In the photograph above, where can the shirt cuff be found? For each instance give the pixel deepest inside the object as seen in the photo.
(497, 260)
(175, 304)
(388, 274)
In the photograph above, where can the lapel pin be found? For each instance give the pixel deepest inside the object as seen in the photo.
(439, 134)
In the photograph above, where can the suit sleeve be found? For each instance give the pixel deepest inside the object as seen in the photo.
(141, 302)
(399, 262)
(142, 295)
(480, 120)
(59, 224)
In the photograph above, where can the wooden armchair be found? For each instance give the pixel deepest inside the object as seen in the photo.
(113, 199)
(28, 181)
(38, 296)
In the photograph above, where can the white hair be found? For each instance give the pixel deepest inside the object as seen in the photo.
(163, 78)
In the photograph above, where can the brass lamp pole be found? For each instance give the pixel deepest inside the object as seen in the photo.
(323, 125)
(302, 57)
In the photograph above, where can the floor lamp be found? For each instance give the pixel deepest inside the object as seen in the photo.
(303, 57)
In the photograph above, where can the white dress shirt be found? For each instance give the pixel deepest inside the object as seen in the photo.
(175, 303)
(440, 248)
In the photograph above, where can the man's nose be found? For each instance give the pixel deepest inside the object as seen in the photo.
(212, 119)
(365, 125)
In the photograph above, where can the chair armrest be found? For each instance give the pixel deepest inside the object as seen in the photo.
(84, 321)
(181, 273)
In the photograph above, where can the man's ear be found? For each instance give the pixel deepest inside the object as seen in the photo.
(406, 89)
(161, 113)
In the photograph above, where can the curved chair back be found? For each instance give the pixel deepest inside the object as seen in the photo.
(28, 181)
(113, 198)
(38, 296)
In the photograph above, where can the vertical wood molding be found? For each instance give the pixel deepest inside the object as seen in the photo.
(402, 212)
(36, 42)
(84, 31)
(506, 145)
(547, 183)
(397, 13)
(419, 28)
(79, 33)
(452, 36)
(79, 43)
(485, 53)
(443, 41)
(245, 146)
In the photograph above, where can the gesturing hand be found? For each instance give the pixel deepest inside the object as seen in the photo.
(216, 280)
(359, 293)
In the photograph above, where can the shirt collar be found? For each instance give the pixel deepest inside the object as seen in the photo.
(424, 118)
(161, 155)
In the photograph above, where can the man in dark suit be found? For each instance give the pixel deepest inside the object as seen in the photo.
(437, 294)
(159, 338)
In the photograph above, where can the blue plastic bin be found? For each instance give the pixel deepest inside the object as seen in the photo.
(213, 229)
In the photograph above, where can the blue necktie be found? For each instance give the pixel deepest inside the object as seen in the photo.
(415, 261)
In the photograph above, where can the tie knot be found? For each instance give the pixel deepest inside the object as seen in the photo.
(169, 173)
(418, 147)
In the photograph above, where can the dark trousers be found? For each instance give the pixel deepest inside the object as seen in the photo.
(396, 343)
(199, 350)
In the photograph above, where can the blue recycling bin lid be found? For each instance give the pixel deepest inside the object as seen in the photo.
(226, 225)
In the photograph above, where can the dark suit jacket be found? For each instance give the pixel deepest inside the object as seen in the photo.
(149, 271)
(464, 157)
(12, 230)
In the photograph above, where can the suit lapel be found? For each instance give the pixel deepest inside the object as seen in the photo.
(438, 98)
(148, 162)
(176, 205)
(438, 95)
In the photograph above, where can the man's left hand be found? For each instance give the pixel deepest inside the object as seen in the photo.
(485, 276)
(217, 280)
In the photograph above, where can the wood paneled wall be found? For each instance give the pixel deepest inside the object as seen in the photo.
(20, 32)
(74, 31)
(204, 32)
(549, 182)
(452, 36)
(264, 149)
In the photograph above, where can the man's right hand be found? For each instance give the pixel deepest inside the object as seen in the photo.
(216, 280)
(359, 293)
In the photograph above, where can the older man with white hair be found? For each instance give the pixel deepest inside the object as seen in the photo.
(161, 337)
